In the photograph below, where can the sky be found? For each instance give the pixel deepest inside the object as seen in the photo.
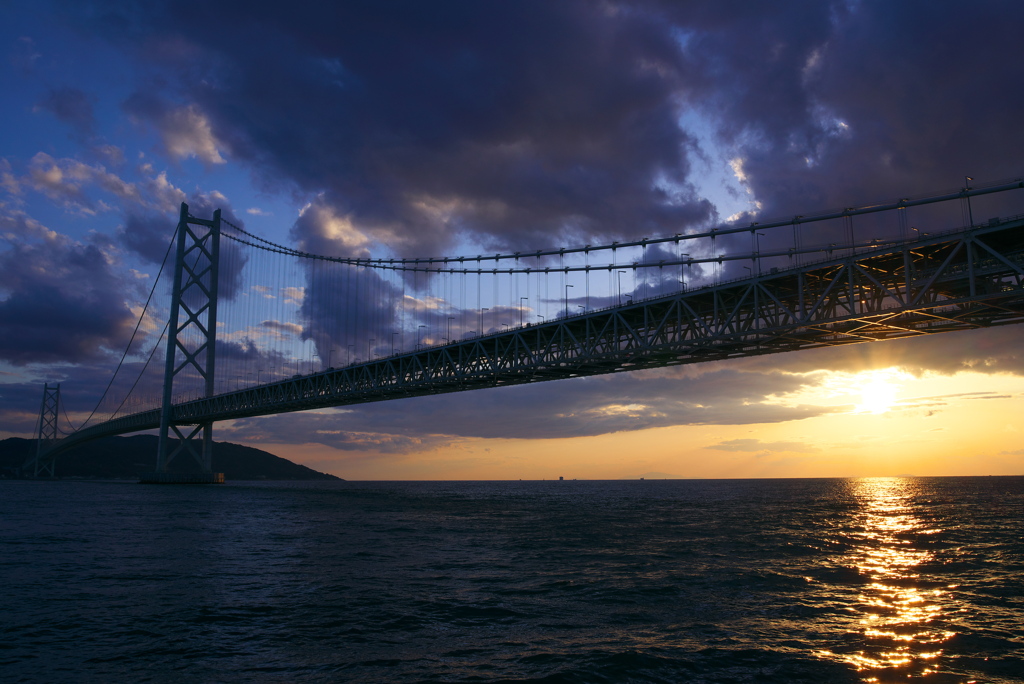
(413, 129)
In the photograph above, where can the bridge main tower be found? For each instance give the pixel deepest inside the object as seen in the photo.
(191, 352)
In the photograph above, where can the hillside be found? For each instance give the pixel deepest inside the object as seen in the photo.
(129, 457)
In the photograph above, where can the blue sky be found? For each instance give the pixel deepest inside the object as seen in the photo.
(580, 122)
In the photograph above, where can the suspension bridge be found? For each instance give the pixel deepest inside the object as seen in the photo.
(257, 328)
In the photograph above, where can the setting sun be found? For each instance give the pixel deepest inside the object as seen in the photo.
(878, 392)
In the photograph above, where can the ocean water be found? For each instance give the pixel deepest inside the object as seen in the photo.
(870, 580)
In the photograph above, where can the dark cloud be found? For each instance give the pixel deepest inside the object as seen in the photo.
(988, 350)
(73, 107)
(59, 300)
(82, 386)
(574, 408)
(530, 123)
(527, 122)
(835, 104)
(149, 234)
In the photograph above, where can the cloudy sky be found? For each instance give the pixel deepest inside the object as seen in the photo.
(454, 127)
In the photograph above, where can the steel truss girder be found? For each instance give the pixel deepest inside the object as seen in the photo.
(959, 281)
(967, 279)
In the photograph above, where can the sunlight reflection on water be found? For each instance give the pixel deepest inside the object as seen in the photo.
(762, 581)
(898, 610)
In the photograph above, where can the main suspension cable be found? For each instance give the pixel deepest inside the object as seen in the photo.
(142, 316)
(143, 371)
(725, 229)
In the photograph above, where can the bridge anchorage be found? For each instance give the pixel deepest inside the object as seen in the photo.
(812, 283)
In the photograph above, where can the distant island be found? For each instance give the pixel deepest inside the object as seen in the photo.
(130, 457)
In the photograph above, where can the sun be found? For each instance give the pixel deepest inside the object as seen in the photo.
(871, 392)
(877, 393)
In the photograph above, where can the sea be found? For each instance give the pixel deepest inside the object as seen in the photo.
(803, 580)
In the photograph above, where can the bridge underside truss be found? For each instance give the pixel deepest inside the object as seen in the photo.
(961, 281)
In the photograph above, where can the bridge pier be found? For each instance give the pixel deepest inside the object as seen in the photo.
(194, 299)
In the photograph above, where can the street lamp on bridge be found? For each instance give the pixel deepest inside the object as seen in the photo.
(967, 189)
(682, 273)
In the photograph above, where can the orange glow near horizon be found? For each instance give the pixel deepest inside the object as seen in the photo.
(880, 423)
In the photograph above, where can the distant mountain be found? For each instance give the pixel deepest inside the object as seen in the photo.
(130, 457)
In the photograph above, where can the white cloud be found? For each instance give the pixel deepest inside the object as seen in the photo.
(7, 180)
(186, 133)
(74, 185)
(294, 295)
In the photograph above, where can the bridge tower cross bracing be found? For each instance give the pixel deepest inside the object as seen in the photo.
(193, 316)
(42, 460)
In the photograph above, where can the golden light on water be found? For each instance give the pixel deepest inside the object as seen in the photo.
(897, 613)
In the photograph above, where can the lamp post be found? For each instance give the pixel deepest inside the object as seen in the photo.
(369, 355)
(620, 286)
(758, 238)
(521, 299)
(420, 342)
(351, 349)
(567, 300)
(450, 319)
(482, 321)
(258, 371)
(393, 343)
(970, 214)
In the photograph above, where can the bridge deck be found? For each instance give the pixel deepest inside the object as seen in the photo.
(963, 280)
